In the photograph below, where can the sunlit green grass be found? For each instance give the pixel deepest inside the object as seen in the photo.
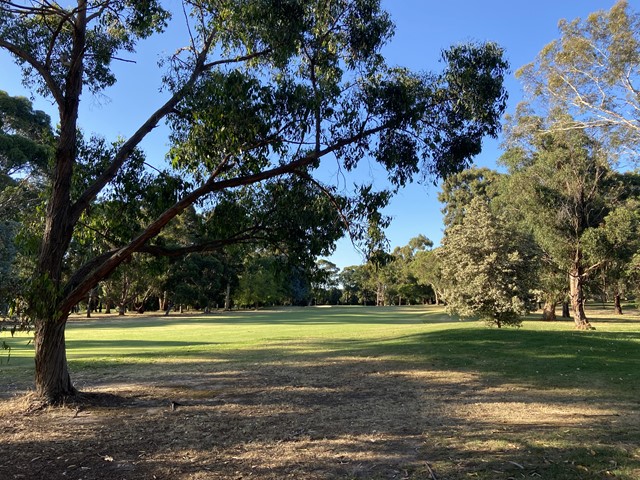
(540, 354)
(548, 359)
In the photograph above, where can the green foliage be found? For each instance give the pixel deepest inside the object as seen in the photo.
(261, 92)
(398, 274)
(560, 184)
(460, 189)
(486, 268)
(25, 138)
(117, 28)
(426, 270)
(592, 72)
(195, 280)
(324, 283)
(356, 285)
(612, 246)
(261, 282)
(26, 150)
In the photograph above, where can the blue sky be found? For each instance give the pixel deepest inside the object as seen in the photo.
(423, 29)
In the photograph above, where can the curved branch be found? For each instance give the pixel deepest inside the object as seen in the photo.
(159, 251)
(39, 67)
(111, 261)
(129, 146)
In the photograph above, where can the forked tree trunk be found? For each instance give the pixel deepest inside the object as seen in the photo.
(53, 383)
(437, 296)
(164, 300)
(576, 295)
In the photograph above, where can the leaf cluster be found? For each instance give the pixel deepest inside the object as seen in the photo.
(486, 268)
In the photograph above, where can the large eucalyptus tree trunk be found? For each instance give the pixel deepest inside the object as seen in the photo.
(576, 296)
(53, 383)
(52, 379)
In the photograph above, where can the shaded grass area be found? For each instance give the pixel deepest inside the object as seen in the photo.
(410, 386)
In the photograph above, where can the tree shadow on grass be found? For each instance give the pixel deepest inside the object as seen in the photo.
(487, 404)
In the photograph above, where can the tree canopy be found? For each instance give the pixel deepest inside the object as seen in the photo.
(261, 91)
(592, 72)
(486, 268)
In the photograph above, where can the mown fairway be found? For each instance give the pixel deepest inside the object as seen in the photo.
(345, 392)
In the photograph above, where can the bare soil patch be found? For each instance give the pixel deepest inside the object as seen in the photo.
(343, 418)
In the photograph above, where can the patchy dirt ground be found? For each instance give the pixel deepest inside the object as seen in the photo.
(342, 418)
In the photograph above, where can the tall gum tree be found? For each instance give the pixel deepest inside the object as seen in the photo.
(262, 89)
(593, 72)
(562, 183)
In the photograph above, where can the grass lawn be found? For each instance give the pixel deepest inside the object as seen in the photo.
(339, 392)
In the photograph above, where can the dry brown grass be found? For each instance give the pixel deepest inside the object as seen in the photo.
(348, 418)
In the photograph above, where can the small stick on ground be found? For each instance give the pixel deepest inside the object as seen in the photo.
(433, 475)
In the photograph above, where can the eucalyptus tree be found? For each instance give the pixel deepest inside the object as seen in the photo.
(562, 183)
(593, 72)
(26, 141)
(324, 282)
(460, 189)
(260, 90)
(400, 274)
(613, 245)
(426, 270)
(356, 285)
(262, 281)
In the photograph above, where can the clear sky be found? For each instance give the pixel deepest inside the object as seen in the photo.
(423, 29)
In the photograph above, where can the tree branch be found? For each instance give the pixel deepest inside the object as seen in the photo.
(39, 67)
(112, 260)
(129, 146)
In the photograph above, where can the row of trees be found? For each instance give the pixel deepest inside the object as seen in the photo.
(562, 222)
